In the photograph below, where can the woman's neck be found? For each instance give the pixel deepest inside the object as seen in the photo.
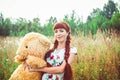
(61, 45)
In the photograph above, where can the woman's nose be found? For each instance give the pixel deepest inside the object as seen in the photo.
(58, 34)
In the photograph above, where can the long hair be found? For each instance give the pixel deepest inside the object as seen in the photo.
(68, 74)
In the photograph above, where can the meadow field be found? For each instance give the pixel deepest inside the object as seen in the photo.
(98, 57)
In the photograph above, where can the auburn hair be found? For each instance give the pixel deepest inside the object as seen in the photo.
(68, 74)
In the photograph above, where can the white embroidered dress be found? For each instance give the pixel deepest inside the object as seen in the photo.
(56, 58)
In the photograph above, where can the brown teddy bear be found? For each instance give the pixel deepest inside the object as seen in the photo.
(31, 50)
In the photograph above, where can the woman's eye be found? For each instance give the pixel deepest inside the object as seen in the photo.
(61, 31)
(55, 31)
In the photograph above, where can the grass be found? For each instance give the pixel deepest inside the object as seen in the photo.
(98, 57)
(8, 46)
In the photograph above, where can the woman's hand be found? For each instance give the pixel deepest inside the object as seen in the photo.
(25, 65)
(33, 69)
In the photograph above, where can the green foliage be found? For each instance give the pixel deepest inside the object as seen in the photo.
(104, 20)
(116, 21)
(7, 67)
(106, 25)
(109, 9)
(86, 29)
(95, 13)
(74, 21)
(48, 28)
(5, 25)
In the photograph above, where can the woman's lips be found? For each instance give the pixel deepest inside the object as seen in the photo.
(58, 37)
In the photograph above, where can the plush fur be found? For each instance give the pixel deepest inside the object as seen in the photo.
(32, 51)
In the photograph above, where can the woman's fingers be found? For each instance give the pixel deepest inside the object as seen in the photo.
(25, 65)
(28, 67)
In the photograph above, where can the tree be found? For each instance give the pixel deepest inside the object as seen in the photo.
(48, 28)
(93, 14)
(1, 24)
(20, 27)
(109, 9)
(5, 25)
(115, 20)
(95, 21)
(74, 21)
(35, 25)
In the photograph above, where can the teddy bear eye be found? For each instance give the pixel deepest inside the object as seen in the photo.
(26, 46)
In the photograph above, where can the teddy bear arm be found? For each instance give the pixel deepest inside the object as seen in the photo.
(36, 62)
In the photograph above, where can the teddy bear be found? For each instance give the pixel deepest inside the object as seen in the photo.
(31, 51)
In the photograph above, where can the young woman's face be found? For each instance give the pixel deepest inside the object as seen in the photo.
(60, 34)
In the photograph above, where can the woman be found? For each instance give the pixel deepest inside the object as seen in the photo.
(60, 56)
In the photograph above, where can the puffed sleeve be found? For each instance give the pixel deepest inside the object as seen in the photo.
(73, 50)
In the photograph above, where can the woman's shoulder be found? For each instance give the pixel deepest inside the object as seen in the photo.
(73, 50)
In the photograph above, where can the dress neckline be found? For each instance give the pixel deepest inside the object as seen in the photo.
(58, 50)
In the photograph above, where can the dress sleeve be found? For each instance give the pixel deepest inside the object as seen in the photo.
(73, 50)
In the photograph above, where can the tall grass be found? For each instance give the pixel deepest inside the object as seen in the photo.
(8, 46)
(98, 57)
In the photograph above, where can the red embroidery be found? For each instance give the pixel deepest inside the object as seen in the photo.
(58, 57)
(50, 76)
(51, 57)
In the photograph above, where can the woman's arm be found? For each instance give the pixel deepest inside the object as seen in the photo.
(51, 70)
(72, 58)
(57, 69)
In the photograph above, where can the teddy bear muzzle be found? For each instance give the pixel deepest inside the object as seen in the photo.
(19, 58)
